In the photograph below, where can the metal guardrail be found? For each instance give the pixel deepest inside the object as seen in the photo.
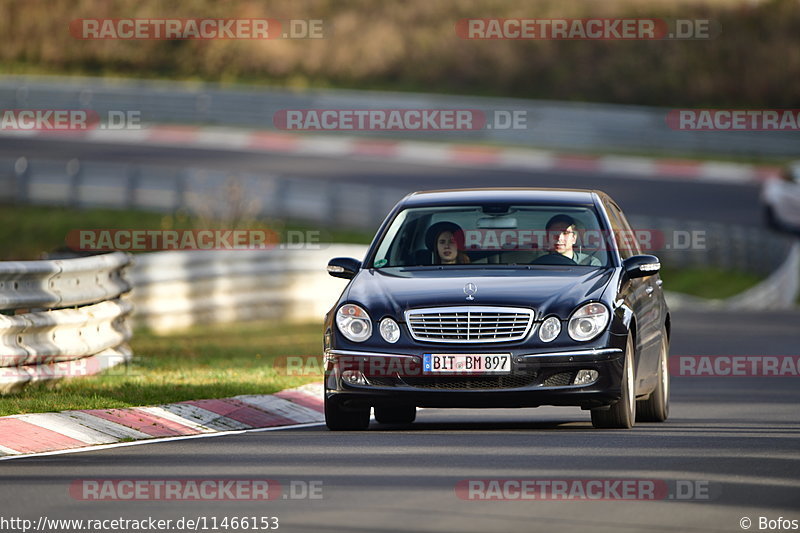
(568, 126)
(725, 247)
(15, 378)
(81, 326)
(62, 283)
(174, 290)
(64, 334)
(156, 188)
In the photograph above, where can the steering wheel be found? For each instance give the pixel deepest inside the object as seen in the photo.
(553, 259)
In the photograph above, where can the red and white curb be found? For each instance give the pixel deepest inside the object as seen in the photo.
(446, 154)
(70, 430)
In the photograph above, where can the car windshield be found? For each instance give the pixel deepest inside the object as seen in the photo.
(489, 235)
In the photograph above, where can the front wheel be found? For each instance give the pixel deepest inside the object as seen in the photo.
(622, 414)
(656, 407)
(339, 419)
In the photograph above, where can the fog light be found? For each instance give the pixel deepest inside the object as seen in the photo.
(354, 377)
(585, 377)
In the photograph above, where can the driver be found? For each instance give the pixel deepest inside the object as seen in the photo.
(561, 239)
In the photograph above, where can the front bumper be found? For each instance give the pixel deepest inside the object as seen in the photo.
(535, 379)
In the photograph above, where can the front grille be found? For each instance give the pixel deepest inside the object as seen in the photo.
(468, 323)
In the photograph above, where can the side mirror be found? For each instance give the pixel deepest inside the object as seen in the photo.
(343, 267)
(641, 266)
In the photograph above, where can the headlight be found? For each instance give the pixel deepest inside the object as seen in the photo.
(550, 329)
(389, 329)
(354, 322)
(588, 321)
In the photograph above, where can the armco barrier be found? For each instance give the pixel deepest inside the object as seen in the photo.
(571, 126)
(71, 318)
(726, 247)
(62, 283)
(174, 290)
(15, 378)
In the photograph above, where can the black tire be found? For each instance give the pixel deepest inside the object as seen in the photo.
(656, 407)
(396, 414)
(621, 415)
(338, 419)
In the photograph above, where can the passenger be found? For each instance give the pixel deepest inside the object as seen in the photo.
(562, 236)
(445, 239)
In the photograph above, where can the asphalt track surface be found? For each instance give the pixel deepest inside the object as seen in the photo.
(736, 437)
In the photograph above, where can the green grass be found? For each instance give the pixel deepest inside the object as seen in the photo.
(29, 231)
(204, 362)
(707, 282)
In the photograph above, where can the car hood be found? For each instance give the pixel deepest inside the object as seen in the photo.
(390, 292)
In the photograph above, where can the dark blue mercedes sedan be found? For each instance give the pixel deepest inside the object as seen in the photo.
(499, 298)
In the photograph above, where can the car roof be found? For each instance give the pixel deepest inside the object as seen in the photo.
(505, 195)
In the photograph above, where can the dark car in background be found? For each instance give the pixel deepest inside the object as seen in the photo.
(503, 298)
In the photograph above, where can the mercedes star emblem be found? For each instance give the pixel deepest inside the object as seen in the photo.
(470, 289)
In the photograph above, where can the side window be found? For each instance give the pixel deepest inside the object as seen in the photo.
(623, 234)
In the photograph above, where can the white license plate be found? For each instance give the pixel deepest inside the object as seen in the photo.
(448, 363)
